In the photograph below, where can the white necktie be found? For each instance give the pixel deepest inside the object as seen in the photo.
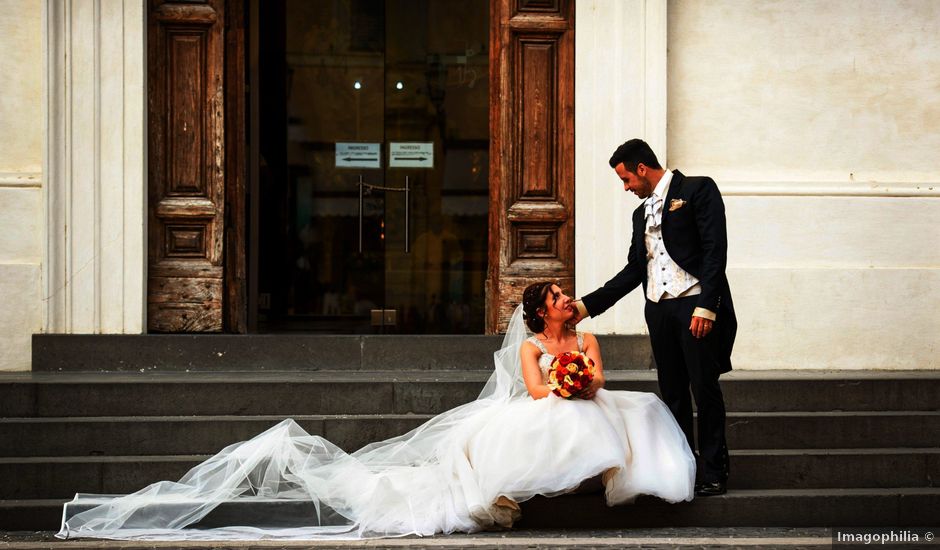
(652, 207)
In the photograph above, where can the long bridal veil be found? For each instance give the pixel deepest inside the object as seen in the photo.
(285, 483)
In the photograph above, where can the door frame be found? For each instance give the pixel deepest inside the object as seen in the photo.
(531, 236)
(531, 217)
(235, 296)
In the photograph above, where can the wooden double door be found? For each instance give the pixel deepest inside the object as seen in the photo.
(266, 211)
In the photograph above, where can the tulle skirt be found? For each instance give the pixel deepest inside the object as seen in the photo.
(465, 470)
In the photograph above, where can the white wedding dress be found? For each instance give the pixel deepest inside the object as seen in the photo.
(464, 470)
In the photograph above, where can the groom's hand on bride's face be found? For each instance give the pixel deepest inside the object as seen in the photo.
(576, 316)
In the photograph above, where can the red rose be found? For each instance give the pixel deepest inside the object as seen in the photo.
(564, 358)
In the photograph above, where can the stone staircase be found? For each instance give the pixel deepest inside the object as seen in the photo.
(111, 414)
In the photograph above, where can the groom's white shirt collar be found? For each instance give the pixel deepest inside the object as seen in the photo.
(662, 188)
(658, 196)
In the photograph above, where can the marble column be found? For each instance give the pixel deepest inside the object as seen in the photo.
(95, 199)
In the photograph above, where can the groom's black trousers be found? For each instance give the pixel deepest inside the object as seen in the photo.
(682, 360)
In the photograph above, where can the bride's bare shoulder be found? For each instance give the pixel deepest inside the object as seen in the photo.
(529, 347)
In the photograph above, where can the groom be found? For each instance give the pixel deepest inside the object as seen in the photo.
(678, 252)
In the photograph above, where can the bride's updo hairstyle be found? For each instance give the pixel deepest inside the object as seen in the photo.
(533, 300)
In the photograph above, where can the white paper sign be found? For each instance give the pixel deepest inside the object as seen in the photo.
(358, 155)
(411, 154)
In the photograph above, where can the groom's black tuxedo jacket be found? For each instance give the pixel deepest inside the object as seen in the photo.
(696, 237)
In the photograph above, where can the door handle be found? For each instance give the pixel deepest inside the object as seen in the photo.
(360, 212)
(407, 190)
(407, 215)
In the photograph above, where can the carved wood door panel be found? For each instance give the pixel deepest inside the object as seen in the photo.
(531, 151)
(187, 165)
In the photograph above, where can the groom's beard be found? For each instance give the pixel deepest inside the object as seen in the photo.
(647, 188)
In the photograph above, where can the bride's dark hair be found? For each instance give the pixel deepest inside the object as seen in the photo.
(533, 299)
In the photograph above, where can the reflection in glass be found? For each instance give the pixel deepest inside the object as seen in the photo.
(376, 71)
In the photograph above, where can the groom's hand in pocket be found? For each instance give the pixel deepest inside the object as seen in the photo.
(701, 326)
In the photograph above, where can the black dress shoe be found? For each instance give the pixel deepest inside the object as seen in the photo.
(710, 489)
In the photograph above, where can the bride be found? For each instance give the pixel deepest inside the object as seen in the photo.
(466, 469)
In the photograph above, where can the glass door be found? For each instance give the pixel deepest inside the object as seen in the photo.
(373, 179)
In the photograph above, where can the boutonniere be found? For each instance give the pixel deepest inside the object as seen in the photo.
(676, 204)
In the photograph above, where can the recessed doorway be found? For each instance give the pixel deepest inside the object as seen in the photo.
(369, 151)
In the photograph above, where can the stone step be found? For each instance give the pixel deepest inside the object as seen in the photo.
(834, 468)
(291, 352)
(360, 392)
(691, 538)
(62, 477)
(896, 507)
(181, 435)
(766, 508)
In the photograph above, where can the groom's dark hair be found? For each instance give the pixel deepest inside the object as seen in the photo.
(632, 153)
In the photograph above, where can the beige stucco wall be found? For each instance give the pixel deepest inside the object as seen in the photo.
(72, 170)
(820, 121)
(21, 146)
(844, 90)
(837, 105)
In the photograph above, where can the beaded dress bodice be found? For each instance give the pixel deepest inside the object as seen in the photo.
(545, 360)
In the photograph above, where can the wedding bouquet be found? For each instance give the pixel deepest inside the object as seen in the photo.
(570, 373)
